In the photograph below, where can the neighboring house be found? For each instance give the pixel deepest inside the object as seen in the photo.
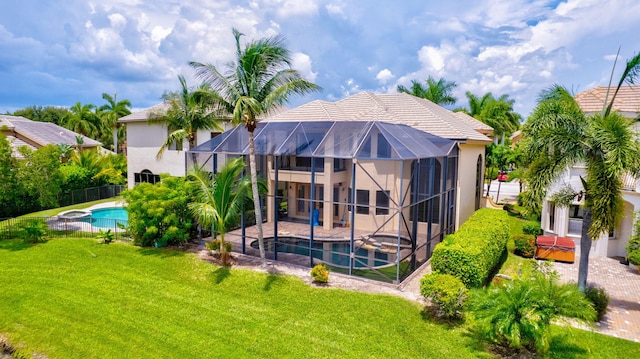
(21, 131)
(568, 221)
(412, 170)
(143, 142)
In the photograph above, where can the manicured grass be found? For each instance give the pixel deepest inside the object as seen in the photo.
(71, 298)
(76, 298)
(54, 211)
(515, 265)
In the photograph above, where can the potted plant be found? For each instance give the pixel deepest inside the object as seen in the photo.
(634, 258)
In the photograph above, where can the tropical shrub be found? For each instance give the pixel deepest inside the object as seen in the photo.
(598, 298)
(215, 246)
(634, 257)
(320, 273)
(446, 292)
(532, 228)
(34, 230)
(518, 314)
(159, 213)
(475, 249)
(105, 236)
(525, 245)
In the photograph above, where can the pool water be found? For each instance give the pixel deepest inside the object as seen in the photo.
(109, 217)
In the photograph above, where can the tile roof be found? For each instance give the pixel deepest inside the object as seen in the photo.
(143, 115)
(627, 100)
(38, 134)
(399, 108)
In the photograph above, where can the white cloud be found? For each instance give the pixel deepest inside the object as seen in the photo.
(302, 63)
(118, 22)
(384, 76)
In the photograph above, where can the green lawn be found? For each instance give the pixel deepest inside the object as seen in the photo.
(75, 298)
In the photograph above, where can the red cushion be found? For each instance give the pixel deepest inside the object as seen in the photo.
(555, 241)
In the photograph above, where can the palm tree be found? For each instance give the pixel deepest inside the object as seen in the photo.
(476, 104)
(188, 113)
(111, 112)
(495, 112)
(259, 80)
(82, 119)
(558, 136)
(438, 92)
(519, 313)
(219, 201)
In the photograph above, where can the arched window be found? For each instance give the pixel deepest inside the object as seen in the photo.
(146, 176)
(479, 178)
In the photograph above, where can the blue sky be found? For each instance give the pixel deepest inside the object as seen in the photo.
(61, 52)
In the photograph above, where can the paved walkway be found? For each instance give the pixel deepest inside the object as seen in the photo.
(622, 283)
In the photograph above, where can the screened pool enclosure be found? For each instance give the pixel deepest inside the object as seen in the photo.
(366, 198)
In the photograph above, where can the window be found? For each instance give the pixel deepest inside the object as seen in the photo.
(176, 146)
(362, 199)
(384, 149)
(382, 202)
(146, 176)
(339, 165)
(215, 134)
(552, 217)
(576, 213)
(301, 191)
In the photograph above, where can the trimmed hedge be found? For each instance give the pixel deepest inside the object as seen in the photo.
(475, 249)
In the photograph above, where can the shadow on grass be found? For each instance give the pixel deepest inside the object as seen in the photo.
(220, 274)
(272, 278)
(161, 252)
(430, 313)
(14, 245)
(559, 347)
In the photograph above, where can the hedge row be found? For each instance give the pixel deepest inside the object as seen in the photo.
(475, 249)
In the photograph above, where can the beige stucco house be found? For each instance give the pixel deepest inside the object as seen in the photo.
(568, 221)
(379, 179)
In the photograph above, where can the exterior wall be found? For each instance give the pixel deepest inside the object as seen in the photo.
(144, 141)
(604, 246)
(467, 162)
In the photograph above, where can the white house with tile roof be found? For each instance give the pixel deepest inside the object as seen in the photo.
(144, 139)
(568, 221)
(21, 131)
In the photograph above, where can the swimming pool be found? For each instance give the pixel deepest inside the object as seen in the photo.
(109, 217)
(336, 253)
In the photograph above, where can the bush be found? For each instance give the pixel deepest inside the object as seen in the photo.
(525, 245)
(215, 246)
(105, 236)
(159, 213)
(320, 273)
(532, 228)
(34, 230)
(599, 298)
(446, 292)
(634, 257)
(518, 314)
(475, 249)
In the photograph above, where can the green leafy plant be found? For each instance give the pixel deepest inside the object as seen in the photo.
(532, 228)
(475, 249)
(34, 230)
(634, 257)
(446, 292)
(525, 245)
(215, 246)
(159, 213)
(105, 236)
(598, 298)
(517, 315)
(320, 273)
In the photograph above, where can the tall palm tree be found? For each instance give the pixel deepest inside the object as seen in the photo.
(558, 135)
(188, 113)
(82, 119)
(111, 112)
(476, 104)
(438, 92)
(219, 201)
(259, 80)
